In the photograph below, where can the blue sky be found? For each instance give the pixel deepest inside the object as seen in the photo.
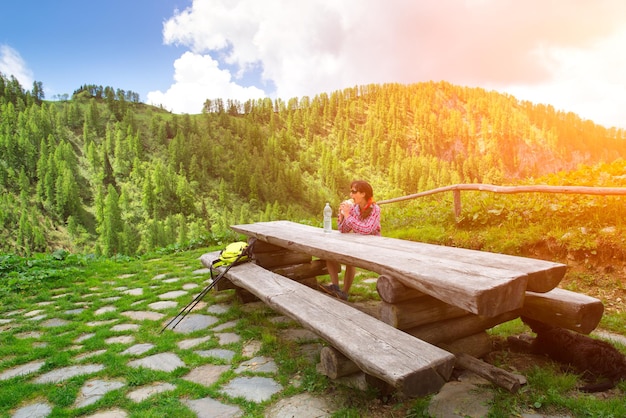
(178, 53)
(66, 43)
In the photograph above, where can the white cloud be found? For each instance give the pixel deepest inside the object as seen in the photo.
(543, 49)
(12, 64)
(196, 79)
(300, 46)
(590, 82)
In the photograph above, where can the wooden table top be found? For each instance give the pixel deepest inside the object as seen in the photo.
(480, 282)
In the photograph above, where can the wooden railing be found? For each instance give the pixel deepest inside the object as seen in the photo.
(457, 188)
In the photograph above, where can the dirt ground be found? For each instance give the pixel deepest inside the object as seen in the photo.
(607, 283)
(600, 273)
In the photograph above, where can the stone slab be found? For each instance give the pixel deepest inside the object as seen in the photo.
(122, 339)
(31, 314)
(111, 413)
(55, 322)
(76, 311)
(218, 309)
(206, 375)
(143, 315)
(104, 310)
(460, 399)
(65, 373)
(162, 305)
(138, 349)
(93, 390)
(84, 337)
(210, 408)
(218, 353)
(22, 370)
(143, 393)
(186, 344)
(124, 327)
(228, 338)
(193, 322)
(303, 405)
(255, 389)
(258, 364)
(166, 362)
(226, 325)
(36, 410)
(251, 348)
(100, 323)
(125, 276)
(173, 294)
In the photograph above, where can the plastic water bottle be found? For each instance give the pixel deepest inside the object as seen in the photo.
(328, 215)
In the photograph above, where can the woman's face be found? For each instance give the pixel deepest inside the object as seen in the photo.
(359, 197)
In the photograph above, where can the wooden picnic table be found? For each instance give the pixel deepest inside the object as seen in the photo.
(483, 283)
(434, 299)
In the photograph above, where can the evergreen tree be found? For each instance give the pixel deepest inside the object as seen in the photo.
(148, 197)
(37, 92)
(112, 225)
(67, 198)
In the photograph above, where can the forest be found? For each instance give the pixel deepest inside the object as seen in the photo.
(100, 172)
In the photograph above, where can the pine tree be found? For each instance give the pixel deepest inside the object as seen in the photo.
(148, 197)
(112, 225)
(67, 199)
(183, 230)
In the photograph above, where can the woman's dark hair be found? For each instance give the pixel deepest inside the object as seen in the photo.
(364, 187)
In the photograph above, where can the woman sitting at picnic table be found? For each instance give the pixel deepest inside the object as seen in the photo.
(360, 215)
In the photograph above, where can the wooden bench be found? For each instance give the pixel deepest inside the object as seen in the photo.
(482, 283)
(408, 364)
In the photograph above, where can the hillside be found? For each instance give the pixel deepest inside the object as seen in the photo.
(104, 173)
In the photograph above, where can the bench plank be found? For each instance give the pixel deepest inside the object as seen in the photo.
(483, 290)
(410, 365)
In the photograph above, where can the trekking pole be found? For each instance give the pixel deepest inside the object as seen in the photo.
(194, 302)
(206, 290)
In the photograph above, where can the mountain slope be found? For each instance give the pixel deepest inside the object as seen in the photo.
(105, 173)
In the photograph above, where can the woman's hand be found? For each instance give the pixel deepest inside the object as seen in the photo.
(345, 207)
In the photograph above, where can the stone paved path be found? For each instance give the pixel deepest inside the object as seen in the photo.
(208, 352)
(235, 373)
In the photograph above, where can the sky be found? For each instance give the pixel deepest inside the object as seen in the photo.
(179, 53)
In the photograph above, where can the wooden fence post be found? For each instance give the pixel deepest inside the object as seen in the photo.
(457, 203)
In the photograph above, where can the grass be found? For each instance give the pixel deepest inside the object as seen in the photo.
(551, 390)
(83, 285)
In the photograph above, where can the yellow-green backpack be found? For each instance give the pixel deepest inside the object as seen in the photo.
(235, 252)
